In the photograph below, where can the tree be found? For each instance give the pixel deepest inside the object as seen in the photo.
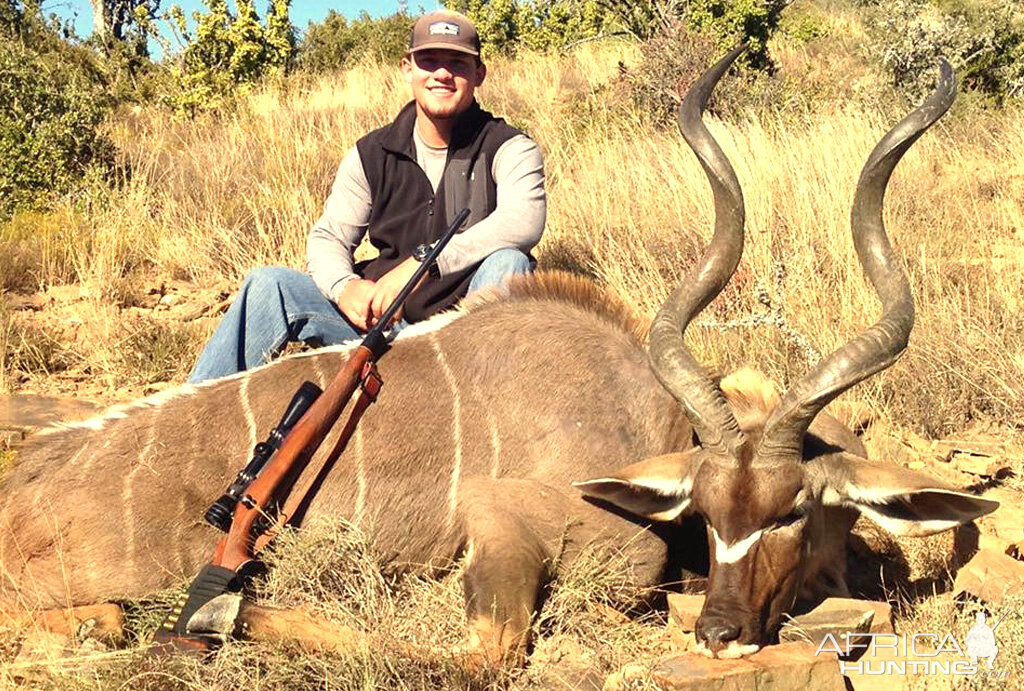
(123, 21)
(228, 51)
(337, 42)
(53, 102)
(506, 25)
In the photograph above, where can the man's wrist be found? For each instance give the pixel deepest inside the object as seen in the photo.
(340, 284)
(420, 255)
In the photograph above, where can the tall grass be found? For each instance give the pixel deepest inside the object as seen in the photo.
(214, 197)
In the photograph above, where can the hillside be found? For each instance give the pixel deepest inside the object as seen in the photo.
(110, 294)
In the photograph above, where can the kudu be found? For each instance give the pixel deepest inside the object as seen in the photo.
(488, 418)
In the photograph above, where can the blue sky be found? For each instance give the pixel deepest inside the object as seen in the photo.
(302, 11)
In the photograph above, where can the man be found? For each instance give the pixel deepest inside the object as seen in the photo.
(981, 641)
(403, 184)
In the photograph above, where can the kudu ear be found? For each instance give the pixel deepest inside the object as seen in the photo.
(902, 501)
(657, 488)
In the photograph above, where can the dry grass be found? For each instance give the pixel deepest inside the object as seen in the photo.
(26, 349)
(942, 616)
(212, 198)
(589, 629)
(87, 337)
(337, 573)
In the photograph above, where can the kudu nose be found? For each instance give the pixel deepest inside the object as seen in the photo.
(717, 634)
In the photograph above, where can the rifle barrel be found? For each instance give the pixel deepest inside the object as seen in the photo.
(374, 340)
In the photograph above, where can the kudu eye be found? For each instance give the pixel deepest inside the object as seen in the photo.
(790, 519)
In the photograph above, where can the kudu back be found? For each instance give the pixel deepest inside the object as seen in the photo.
(488, 418)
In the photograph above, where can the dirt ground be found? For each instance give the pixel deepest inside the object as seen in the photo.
(66, 316)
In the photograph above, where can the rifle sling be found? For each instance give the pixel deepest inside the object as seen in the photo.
(295, 505)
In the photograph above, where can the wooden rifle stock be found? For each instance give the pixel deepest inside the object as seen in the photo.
(236, 548)
(257, 516)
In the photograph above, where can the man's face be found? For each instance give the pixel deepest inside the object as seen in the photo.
(443, 81)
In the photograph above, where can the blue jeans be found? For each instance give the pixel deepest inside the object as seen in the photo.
(275, 306)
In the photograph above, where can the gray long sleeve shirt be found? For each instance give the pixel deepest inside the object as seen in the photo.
(516, 222)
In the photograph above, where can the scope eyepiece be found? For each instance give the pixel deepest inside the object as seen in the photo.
(220, 514)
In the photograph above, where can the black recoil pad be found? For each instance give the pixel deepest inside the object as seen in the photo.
(211, 582)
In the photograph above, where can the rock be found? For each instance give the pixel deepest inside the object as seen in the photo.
(65, 293)
(838, 616)
(1006, 522)
(997, 544)
(684, 610)
(888, 448)
(981, 465)
(610, 615)
(882, 621)
(170, 300)
(194, 312)
(990, 575)
(9, 436)
(627, 678)
(681, 641)
(569, 675)
(925, 449)
(32, 303)
(206, 310)
(974, 447)
(149, 300)
(785, 666)
(156, 387)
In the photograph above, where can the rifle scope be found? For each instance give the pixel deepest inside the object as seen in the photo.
(221, 513)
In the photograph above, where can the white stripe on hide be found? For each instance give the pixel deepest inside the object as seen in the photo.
(453, 487)
(730, 554)
(126, 495)
(357, 513)
(492, 425)
(250, 419)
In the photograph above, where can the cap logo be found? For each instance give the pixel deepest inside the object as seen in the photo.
(444, 29)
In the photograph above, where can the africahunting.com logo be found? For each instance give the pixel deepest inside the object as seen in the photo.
(919, 653)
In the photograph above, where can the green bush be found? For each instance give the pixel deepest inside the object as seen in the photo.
(984, 41)
(802, 26)
(733, 21)
(229, 52)
(506, 25)
(49, 134)
(336, 43)
(673, 58)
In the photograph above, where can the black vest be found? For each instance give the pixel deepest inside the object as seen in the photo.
(405, 210)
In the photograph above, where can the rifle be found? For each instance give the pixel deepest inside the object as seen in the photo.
(251, 510)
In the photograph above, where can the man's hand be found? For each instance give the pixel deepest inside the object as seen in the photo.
(389, 286)
(353, 299)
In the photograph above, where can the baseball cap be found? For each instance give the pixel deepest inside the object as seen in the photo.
(444, 29)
